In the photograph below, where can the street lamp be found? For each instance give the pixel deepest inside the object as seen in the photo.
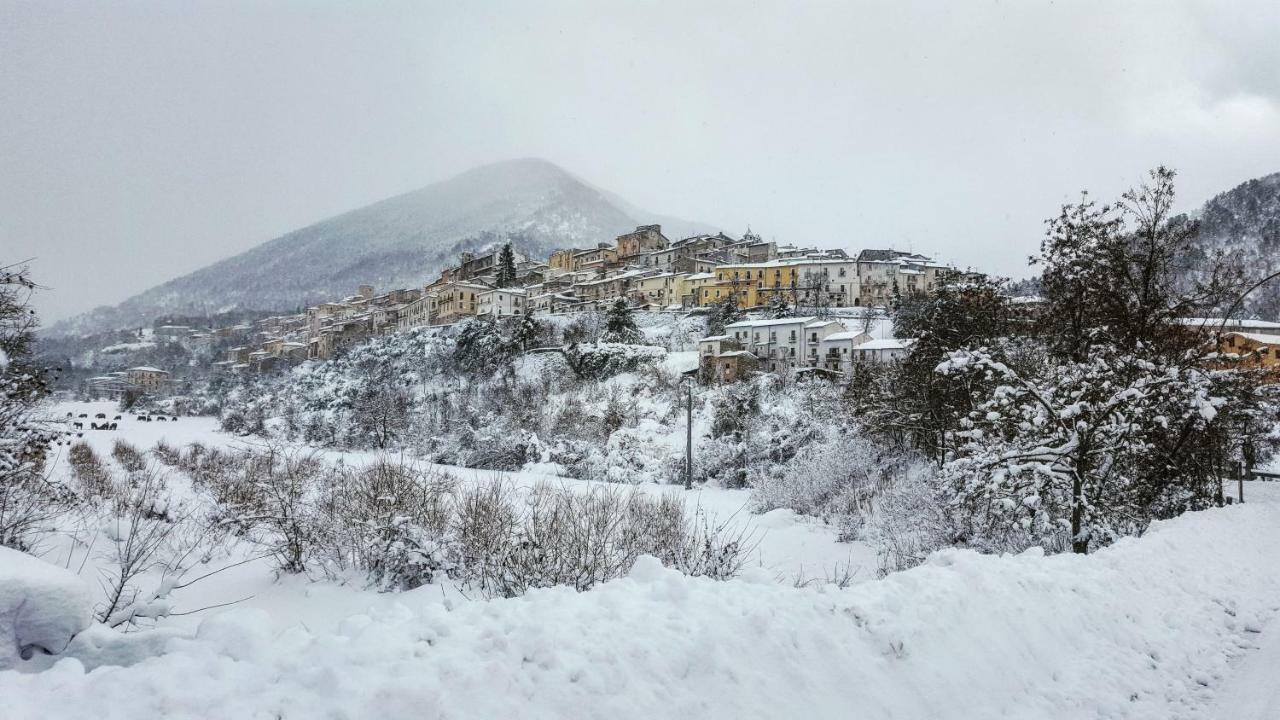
(687, 381)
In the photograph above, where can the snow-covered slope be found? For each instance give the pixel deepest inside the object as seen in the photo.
(399, 242)
(1245, 223)
(1149, 628)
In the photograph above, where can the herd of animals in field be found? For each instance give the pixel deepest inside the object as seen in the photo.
(77, 422)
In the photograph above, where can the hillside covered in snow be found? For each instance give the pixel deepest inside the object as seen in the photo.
(399, 242)
(1245, 223)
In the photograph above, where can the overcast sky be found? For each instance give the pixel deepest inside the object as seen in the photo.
(143, 141)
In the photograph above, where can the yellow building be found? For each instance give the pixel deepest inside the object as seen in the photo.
(753, 284)
(656, 290)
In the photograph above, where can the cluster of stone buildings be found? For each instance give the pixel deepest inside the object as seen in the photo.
(643, 267)
(651, 272)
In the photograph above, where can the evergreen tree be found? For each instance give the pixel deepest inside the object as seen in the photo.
(778, 307)
(724, 313)
(506, 267)
(619, 325)
(529, 332)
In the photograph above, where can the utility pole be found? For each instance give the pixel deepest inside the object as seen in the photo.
(688, 444)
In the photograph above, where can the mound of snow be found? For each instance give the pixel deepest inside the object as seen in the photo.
(1144, 629)
(42, 607)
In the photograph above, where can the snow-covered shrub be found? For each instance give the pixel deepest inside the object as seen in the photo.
(912, 518)
(835, 480)
(282, 515)
(89, 472)
(559, 536)
(166, 453)
(393, 521)
(602, 360)
(145, 531)
(129, 457)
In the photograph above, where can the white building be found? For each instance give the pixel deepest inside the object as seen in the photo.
(779, 344)
(502, 302)
(836, 351)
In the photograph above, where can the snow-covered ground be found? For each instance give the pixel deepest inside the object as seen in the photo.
(787, 547)
(1162, 626)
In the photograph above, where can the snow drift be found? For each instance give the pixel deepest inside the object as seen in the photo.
(1143, 629)
(42, 607)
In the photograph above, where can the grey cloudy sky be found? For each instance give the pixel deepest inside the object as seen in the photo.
(144, 140)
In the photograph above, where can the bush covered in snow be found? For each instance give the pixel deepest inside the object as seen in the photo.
(403, 526)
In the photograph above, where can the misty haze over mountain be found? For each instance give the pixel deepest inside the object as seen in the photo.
(144, 143)
(399, 242)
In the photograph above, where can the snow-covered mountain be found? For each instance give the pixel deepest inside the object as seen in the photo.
(1245, 222)
(403, 241)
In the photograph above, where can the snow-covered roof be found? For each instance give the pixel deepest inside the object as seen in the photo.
(1233, 323)
(766, 323)
(821, 323)
(714, 338)
(145, 368)
(1259, 338)
(848, 335)
(885, 344)
(702, 276)
(736, 353)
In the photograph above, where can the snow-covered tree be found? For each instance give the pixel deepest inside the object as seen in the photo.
(25, 497)
(1079, 453)
(1125, 416)
(620, 325)
(778, 307)
(724, 313)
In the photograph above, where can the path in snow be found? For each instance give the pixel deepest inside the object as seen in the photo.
(1252, 690)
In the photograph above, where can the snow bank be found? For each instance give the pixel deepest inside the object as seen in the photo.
(42, 607)
(1143, 629)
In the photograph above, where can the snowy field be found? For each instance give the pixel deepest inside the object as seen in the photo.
(787, 547)
(1163, 626)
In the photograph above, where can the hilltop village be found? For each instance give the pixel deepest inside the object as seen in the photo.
(644, 268)
(814, 309)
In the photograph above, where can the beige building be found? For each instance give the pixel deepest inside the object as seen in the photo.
(657, 291)
(644, 239)
(147, 379)
(455, 301)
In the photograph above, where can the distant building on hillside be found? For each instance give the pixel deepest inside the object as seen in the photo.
(643, 239)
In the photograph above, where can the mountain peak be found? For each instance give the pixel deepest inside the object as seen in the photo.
(402, 241)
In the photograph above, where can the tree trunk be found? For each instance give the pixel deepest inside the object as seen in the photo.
(1079, 545)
